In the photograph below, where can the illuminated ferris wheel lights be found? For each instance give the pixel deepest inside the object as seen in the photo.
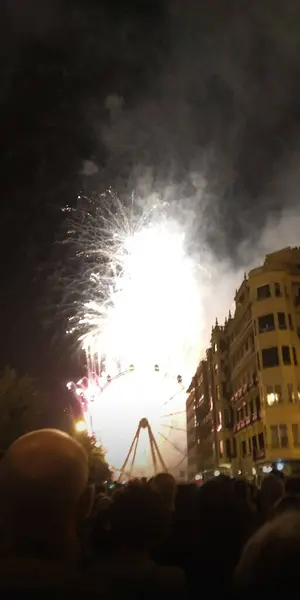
(131, 368)
(179, 378)
(156, 368)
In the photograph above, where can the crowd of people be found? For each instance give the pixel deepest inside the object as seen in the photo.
(145, 539)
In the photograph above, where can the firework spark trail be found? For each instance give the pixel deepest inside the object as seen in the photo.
(141, 299)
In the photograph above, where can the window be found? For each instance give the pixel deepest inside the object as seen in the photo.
(290, 322)
(283, 434)
(270, 357)
(263, 292)
(221, 448)
(277, 289)
(216, 368)
(243, 448)
(274, 436)
(234, 447)
(296, 434)
(274, 395)
(226, 418)
(257, 404)
(295, 356)
(286, 356)
(228, 449)
(261, 441)
(290, 389)
(250, 445)
(281, 320)
(215, 347)
(219, 421)
(266, 323)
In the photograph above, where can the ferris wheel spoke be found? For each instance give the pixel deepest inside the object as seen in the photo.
(180, 462)
(179, 412)
(172, 444)
(172, 397)
(173, 427)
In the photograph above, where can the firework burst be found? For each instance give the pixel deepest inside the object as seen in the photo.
(140, 292)
(140, 310)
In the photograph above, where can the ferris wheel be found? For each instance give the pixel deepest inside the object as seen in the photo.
(140, 419)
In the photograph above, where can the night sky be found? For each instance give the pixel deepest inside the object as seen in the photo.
(114, 93)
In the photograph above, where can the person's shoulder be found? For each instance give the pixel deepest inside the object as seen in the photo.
(169, 576)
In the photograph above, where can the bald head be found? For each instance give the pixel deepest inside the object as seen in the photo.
(43, 472)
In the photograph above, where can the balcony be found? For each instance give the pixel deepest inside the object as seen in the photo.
(244, 389)
(240, 335)
(256, 416)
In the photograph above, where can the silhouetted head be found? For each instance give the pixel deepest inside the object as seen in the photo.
(270, 561)
(44, 492)
(165, 485)
(138, 517)
(272, 489)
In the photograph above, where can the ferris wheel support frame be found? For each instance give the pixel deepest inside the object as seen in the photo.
(155, 452)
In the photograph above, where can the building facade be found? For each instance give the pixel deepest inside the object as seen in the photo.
(253, 375)
(200, 424)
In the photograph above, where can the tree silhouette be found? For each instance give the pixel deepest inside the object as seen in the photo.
(22, 406)
(99, 469)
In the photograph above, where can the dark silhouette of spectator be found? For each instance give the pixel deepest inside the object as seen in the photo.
(286, 504)
(269, 565)
(139, 520)
(292, 486)
(180, 548)
(272, 489)
(44, 494)
(165, 485)
(223, 528)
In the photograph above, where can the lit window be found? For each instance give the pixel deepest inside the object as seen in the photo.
(221, 448)
(273, 394)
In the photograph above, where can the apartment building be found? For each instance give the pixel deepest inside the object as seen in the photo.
(220, 394)
(248, 441)
(253, 373)
(274, 292)
(200, 424)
